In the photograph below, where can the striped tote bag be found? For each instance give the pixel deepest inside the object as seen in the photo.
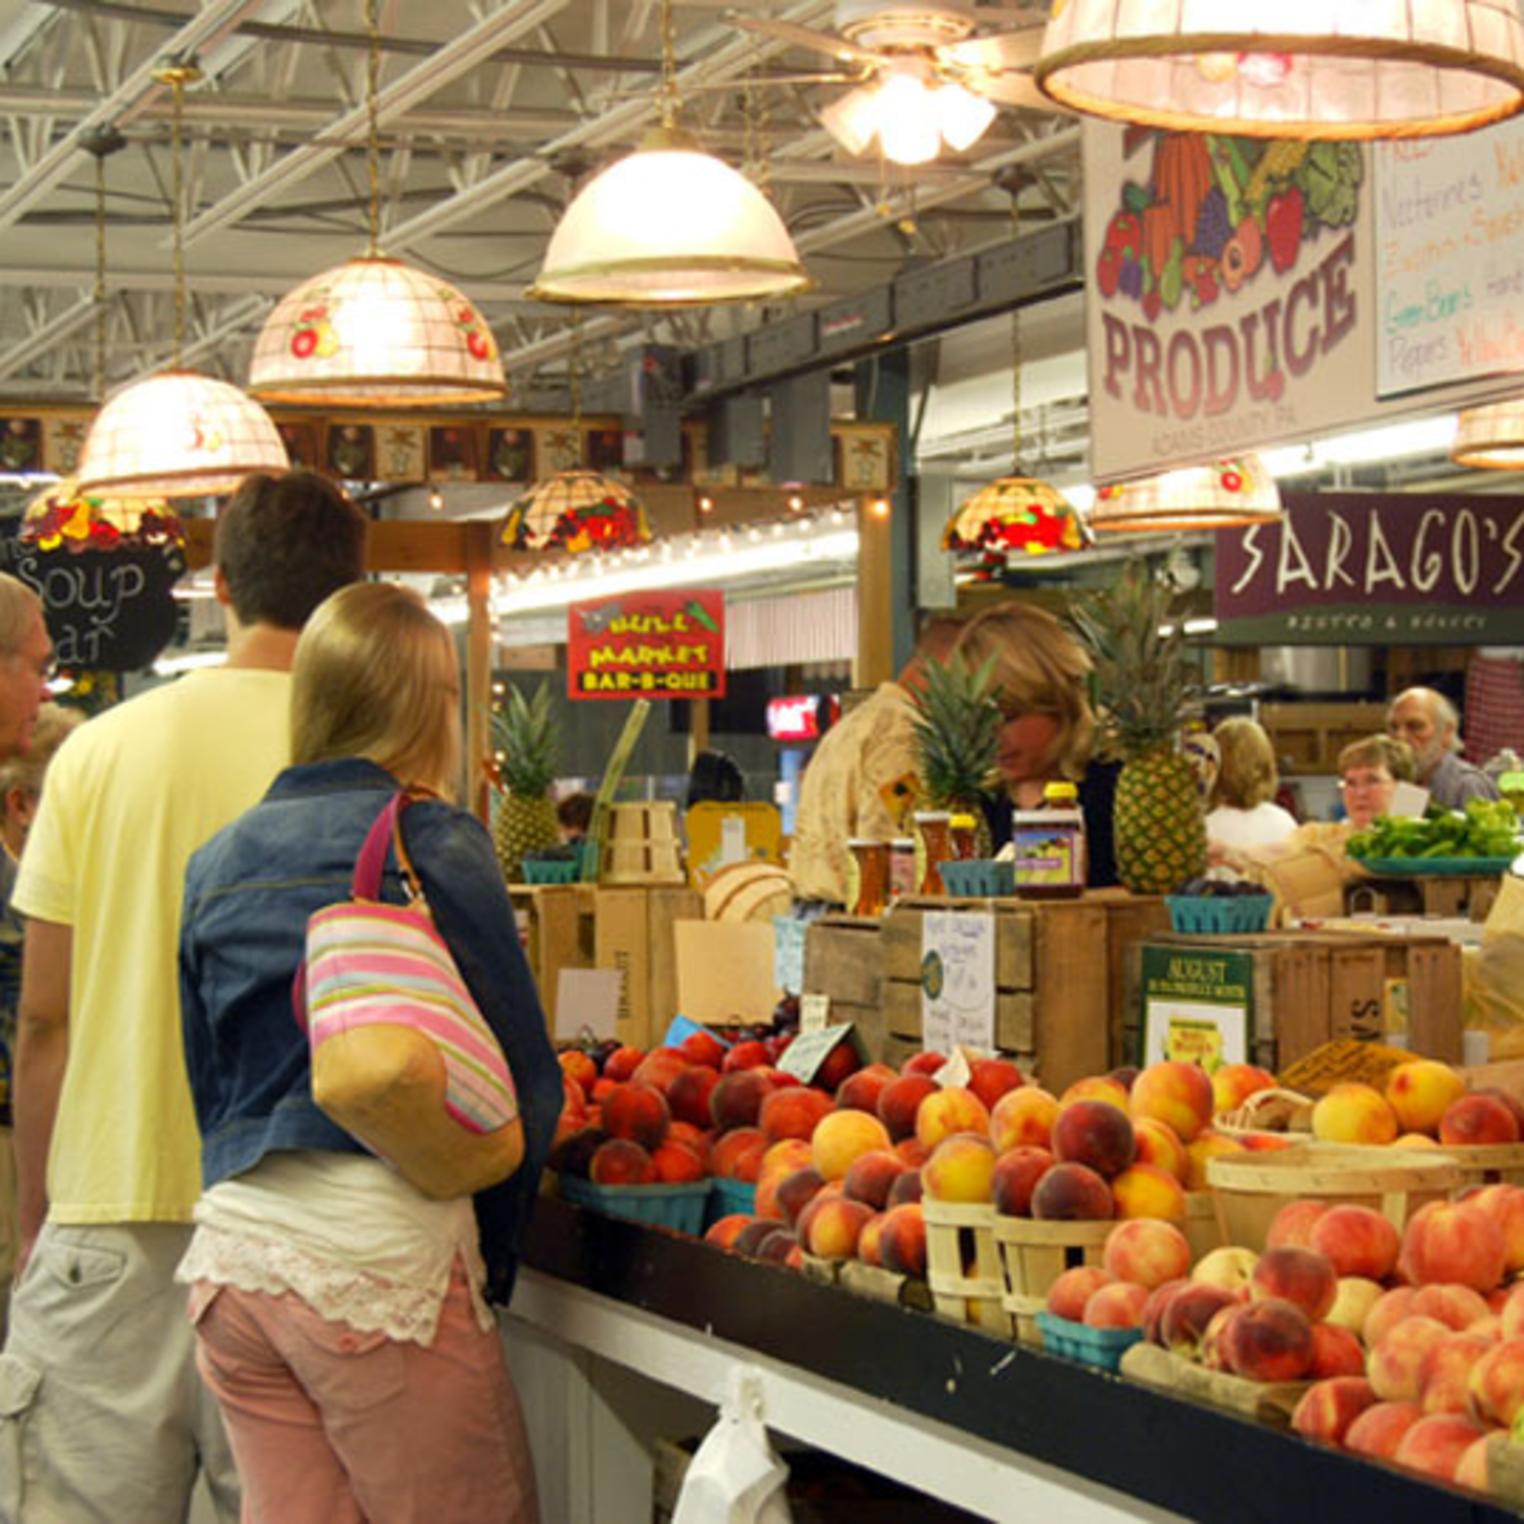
(402, 1059)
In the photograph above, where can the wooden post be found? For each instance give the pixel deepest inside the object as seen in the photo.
(875, 635)
(698, 728)
(478, 665)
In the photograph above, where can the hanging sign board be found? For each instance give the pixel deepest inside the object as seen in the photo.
(1364, 568)
(657, 644)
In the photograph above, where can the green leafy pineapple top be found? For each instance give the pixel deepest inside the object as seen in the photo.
(957, 731)
(523, 732)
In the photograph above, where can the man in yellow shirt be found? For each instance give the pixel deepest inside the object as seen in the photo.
(102, 1415)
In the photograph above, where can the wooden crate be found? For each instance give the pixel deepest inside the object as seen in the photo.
(842, 960)
(1033, 1255)
(963, 1266)
(1459, 894)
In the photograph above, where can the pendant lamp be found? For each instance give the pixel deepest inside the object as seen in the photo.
(62, 515)
(177, 434)
(669, 225)
(1225, 495)
(374, 332)
(1288, 68)
(1491, 436)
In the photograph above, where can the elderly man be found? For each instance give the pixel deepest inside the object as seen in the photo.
(1427, 721)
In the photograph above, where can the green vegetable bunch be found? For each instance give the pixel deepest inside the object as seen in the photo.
(1486, 828)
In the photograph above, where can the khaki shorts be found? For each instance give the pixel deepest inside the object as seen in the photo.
(103, 1419)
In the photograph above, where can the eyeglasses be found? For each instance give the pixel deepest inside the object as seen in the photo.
(1368, 782)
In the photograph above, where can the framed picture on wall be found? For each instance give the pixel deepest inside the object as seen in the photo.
(351, 452)
(453, 453)
(510, 455)
(303, 441)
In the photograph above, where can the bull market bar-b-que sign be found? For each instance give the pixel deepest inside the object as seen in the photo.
(1366, 568)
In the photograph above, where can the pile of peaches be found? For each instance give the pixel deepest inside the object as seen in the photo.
(1426, 1104)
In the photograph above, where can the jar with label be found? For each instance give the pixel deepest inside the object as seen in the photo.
(902, 877)
(965, 836)
(933, 845)
(1050, 844)
(867, 876)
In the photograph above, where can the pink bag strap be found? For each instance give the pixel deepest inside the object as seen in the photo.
(370, 864)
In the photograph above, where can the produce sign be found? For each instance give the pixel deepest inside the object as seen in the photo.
(1369, 569)
(1197, 1006)
(660, 644)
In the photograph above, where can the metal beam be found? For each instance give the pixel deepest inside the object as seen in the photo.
(50, 333)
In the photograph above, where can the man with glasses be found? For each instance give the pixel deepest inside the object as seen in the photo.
(1428, 722)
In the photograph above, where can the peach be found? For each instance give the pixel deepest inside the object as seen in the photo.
(660, 1067)
(1145, 1190)
(1073, 1288)
(1146, 1252)
(1478, 1119)
(796, 1190)
(603, 1089)
(1268, 1341)
(1512, 1102)
(1158, 1305)
(778, 1247)
(860, 1091)
(573, 1154)
(1204, 1146)
(638, 1113)
(1456, 1243)
(704, 1048)
(1155, 1143)
(1352, 1303)
(1495, 1386)
(677, 1164)
(927, 1063)
(949, 1110)
(1300, 1276)
(1471, 1471)
(1292, 1226)
(1230, 1267)
(1017, 1172)
(785, 1156)
(837, 1066)
(869, 1248)
(1415, 1140)
(1446, 1371)
(1096, 1087)
(870, 1177)
(1457, 1307)
(1095, 1134)
(1357, 1241)
(750, 1239)
(961, 1168)
(1387, 1312)
(1396, 1363)
(579, 1068)
(737, 1155)
(1352, 1113)
(910, 1153)
(1174, 1092)
(621, 1162)
(1504, 1206)
(795, 1260)
(1379, 1429)
(722, 1233)
(1072, 1193)
(1119, 1305)
(688, 1094)
(1335, 1352)
(622, 1063)
(908, 1186)
(737, 1099)
(1435, 1445)
(1327, 1410)
(1233, 1084)
(1188, 1313)
(1421, 1092)
(699, 1139)
(835, 1227)
(900, 1100)
(1211, 1352)
(1263, 1142)
(902, 1241)
(991, 1078)
(1511, 1316)
(1023, 1119)
(841, 1137)
(793, 1113)
(765, 1201)
(744, 1055)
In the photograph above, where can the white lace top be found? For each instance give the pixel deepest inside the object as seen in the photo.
(346, 1234)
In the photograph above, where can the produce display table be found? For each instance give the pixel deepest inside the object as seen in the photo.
(1004, 1431)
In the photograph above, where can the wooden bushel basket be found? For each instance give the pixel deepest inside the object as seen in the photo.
(1201, 1228)
(641, 846)
(1034, 1254)
(962, 1265)
(1270, 1402)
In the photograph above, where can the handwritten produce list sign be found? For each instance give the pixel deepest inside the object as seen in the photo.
(656, 644)
(1370, 569)
(957, 981)
(1450, 258)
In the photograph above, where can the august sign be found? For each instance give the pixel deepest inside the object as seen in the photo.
(1368, 569)
(660, 644)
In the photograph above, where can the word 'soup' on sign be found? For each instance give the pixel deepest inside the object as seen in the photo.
(659, 644)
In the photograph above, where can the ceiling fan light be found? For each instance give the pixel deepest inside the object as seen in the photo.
(909, 128)
(964, 117)
(852, 119)
(1224, 495)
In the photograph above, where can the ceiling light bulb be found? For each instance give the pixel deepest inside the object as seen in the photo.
(908, 126)
(853, 119)
(964, 116)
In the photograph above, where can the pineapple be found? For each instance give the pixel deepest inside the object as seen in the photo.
(957, 733)
(1144, 686)
(526, 742)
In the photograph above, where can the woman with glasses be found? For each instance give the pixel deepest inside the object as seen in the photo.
(1369, 772)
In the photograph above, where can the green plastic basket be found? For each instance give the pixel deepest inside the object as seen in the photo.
(1218, 915)
(978, 877)
(1100, 1347)
(727, 1196)
(663, 1206)
(553, 870)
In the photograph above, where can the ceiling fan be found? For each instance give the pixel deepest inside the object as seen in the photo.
(927, 72)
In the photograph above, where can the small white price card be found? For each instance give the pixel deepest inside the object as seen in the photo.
(808, 1051)
(957, 981)
(813, 1012)
(587, 1001)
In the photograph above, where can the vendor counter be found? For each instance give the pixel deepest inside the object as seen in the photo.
(620, 1333)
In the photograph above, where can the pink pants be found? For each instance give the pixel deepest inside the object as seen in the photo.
(332, 1426)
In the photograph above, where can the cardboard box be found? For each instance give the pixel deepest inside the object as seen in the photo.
(725, 971)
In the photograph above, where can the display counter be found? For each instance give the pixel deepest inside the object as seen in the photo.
(1004, 1431)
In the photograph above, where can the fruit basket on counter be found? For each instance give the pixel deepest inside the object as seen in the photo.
(1100, 1347)
(680, 1207)
(1219, 907)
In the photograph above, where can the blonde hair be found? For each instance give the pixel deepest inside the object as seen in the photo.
(375, 677)
(19, 607)
(1381, 751)
(1039, 669)
(54, 724)
(1246, 776)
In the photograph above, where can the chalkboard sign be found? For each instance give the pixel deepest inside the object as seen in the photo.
(107, 610)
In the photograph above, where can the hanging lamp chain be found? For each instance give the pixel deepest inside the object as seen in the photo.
(100, 278)
(373, 121)
(671, 101)
(1016, 439)
(575, 377)
(177, 73)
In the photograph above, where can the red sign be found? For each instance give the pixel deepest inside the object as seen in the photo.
(659, 644)
(801, 716)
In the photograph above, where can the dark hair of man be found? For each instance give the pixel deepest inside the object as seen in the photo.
(284, 543)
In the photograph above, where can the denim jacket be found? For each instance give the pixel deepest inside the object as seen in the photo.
(248, 894)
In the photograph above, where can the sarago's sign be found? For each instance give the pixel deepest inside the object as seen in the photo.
(661, 644)
(1357, 568)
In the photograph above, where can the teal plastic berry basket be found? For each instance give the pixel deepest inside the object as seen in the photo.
(978, 877)
(727, 1196)
(1100, 1347)
(1218, 915)
(551, 871)
(663, 1206)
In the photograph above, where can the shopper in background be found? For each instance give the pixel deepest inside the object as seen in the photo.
(861, 778)
(20, 787)
(364, 1378)
(26, 664)
(574, 814)
(1369, 772)
(1428, 722)
(714, 775)
(1240, 808)
(105, 1417)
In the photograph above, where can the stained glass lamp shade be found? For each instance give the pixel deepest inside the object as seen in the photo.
(1491, 436)
(62, 515)
(1221, 496)
(1013, 517)
(576, 511)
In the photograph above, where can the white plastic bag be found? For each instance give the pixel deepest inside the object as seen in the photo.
(736, 1477)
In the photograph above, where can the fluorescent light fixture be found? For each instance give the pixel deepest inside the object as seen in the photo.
(1363, 447)
(188, 661)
